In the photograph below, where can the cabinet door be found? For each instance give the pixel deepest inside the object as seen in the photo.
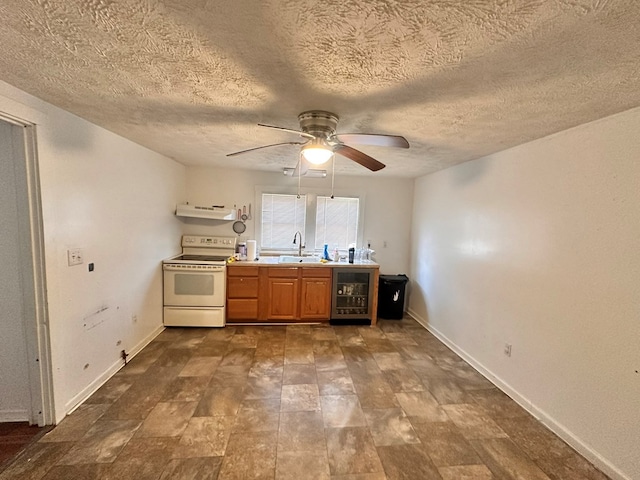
(315, 301)
(282, 298)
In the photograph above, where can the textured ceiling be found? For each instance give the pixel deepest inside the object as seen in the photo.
(459, 79)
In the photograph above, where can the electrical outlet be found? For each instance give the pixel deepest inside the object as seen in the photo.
(134, 318)
(74, 256)
(507, 349)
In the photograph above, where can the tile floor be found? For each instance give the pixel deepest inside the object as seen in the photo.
(299, 402)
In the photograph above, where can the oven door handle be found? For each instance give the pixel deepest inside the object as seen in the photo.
(192, 268)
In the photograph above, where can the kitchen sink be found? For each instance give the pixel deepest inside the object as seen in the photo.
(296, 259)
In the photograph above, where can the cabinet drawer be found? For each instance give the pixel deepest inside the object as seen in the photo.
(242, 309)
(316, 272)
(242, 287)
(283, 272)
(242, 271)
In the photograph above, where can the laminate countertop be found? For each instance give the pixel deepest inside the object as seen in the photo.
(268, 261)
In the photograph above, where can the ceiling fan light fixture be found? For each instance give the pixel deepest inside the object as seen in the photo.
(317, 152)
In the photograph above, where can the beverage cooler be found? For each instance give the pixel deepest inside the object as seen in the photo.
(352, 296)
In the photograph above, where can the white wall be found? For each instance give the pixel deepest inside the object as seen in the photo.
(538, 246)
(115, 200)
(387, 206)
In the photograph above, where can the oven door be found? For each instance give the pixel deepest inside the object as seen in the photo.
(194, 285)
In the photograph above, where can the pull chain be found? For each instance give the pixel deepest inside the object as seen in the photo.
(333, 172)
(299, 174)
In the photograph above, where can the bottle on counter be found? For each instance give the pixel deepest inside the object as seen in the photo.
(325, 253)
(336, 254)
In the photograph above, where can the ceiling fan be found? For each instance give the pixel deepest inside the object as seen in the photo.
(319, 129)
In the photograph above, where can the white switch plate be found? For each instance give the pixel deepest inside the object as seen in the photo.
(74, 256)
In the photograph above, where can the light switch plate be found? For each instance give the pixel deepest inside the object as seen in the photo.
(74, 256)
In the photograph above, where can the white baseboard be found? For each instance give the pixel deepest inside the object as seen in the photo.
(21, 415)
(85, 393)
(548, 421)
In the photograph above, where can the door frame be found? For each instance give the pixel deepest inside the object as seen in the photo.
(32, 252)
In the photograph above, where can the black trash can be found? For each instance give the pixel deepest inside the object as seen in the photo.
(391, 296)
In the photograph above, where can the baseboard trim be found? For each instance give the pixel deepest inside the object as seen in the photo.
(85, 393)
(556, 427)
(18, 415)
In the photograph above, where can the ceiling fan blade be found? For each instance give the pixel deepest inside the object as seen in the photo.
(373, 139)
(303, 134)
(359, 157)
(263, 146)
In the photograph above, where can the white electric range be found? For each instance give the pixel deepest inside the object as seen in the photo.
(195, 282)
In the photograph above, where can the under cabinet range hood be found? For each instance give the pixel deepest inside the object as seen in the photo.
(213, 213)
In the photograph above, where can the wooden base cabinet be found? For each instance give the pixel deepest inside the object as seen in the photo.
(281, 301)
(315, 294)
(282, 294)
(242, 293)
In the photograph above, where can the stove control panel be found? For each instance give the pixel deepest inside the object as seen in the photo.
(202, 241)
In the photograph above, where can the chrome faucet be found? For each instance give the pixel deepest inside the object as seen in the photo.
(300, 246)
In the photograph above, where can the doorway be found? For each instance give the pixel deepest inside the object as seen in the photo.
(26, 393)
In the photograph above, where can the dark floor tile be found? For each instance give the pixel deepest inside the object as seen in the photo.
(403, 381)
(206, 468)
(220, 401)
(250, 455)
(421, 407)
(200, 366)
(185, 389)
(301, 432)
(351, 451)
(298, 374)
(102, 443)
(407, 462)
(141, 459)
(335, 382)
(536, 440)
(238, 356)
(111, 390)
(466, 472)
(473, 421)
(204, 437)
(311, 465)
(572, 467)
(260, 415)
(445, 445)
(496, 403)
(167, 419)
(506, 460)
(376, 394)
(356, 354)
(77, 472)
(390, 427)
(76, 425)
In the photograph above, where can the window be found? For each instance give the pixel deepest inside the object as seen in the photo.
(336, 222)
(282, 217)
(321, 219)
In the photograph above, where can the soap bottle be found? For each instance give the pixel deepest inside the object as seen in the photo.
(325, 254)
(336, 254)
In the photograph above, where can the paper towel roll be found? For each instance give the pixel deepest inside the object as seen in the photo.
(251, 250)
